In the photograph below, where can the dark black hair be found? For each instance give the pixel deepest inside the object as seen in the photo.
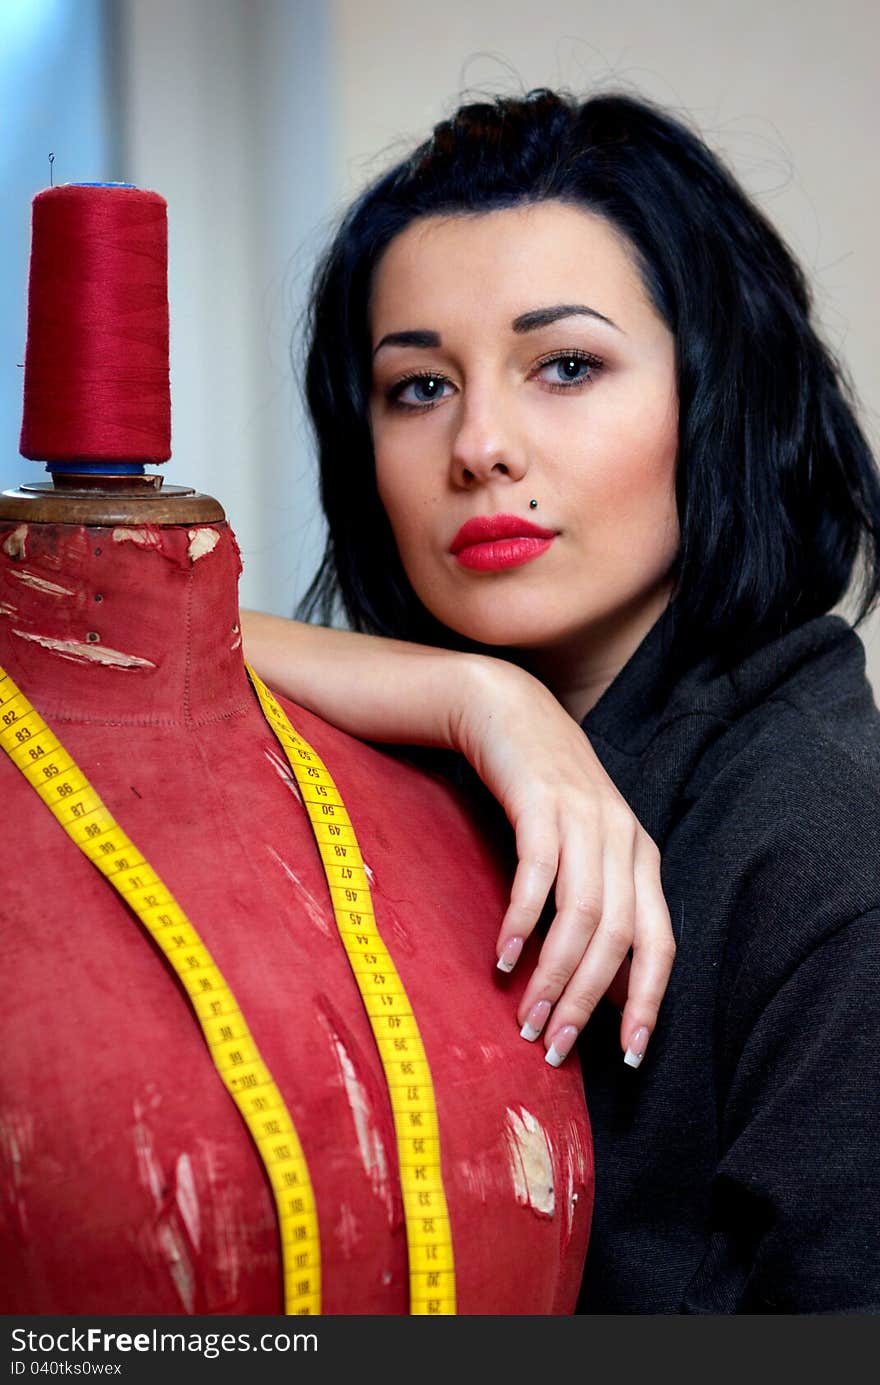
(777, 492)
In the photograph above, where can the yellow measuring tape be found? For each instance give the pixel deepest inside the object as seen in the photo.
(428, 1233)
(51, 771)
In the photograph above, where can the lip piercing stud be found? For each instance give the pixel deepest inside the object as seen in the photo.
(533, 504)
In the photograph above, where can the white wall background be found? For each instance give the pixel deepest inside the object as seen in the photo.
(229, 113)
(259, 119)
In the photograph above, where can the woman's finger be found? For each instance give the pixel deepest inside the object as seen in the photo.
(652, 959)
(619, 987)
(606, 949)
(580, 901)
(537, 849)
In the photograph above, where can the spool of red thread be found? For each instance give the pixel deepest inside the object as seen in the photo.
(96, 383)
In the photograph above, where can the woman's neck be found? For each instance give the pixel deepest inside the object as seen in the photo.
(579, 670)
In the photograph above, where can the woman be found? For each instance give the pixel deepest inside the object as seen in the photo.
(572, 411)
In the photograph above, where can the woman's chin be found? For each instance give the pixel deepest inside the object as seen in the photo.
(512, 634)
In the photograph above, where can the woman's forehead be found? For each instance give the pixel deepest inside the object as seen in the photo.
(497, 266)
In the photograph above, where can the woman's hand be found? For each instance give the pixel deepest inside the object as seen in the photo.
(575, 831)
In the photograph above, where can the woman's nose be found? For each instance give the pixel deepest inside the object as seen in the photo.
(486, 447)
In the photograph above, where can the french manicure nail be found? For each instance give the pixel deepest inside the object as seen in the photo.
(510, 954)
(562, 1044)
(535, 1020)
(637, 1045)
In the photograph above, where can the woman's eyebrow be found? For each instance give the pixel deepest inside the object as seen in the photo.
(526, 322)
(543, 317)
(415, 337)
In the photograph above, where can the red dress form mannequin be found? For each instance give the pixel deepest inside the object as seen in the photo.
(131, 1184)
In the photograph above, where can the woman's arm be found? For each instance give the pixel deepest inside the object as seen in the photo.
(572, 826)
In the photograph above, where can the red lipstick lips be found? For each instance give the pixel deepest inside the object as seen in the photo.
(490, 542)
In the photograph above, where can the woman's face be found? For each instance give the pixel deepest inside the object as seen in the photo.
(517, 358)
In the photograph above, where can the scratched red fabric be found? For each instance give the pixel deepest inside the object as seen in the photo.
(130, 1183)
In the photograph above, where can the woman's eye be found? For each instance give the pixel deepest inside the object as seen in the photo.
(420, 391)
(568, 369)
